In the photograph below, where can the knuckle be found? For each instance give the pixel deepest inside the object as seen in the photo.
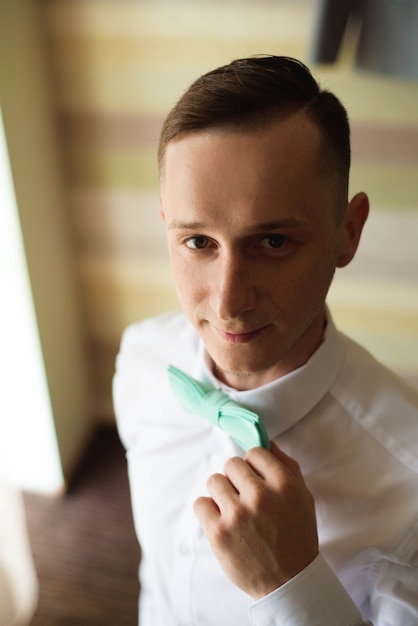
(231, 463)
(220, 534)
(213, 480)
(252, 454)
(294, 464)
(292, 493)
(288, 490)
(295, 469)
(259, 496)
(237, 516)
(198, 504)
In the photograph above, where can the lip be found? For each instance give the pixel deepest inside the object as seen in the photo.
(239, 338)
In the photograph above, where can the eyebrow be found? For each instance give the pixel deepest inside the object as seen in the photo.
(182, 225)
(257, 228)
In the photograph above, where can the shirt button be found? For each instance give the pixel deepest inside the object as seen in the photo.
(185, 549)
(214, 462)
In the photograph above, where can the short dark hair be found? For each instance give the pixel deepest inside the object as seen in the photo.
(255, 91)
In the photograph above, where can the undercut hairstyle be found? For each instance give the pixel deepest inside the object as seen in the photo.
(251, 93)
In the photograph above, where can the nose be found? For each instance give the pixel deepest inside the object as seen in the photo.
(233, 289)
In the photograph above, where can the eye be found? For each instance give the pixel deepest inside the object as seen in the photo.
(274, 242)
(197, 243)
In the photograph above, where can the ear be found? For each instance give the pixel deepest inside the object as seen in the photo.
(352, 226)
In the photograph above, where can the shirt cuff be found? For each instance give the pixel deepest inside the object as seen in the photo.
(315, 597)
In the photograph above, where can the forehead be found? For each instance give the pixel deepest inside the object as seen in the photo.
(274, 156)
(231, 179)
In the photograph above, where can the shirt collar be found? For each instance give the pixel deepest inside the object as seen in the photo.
(283, 402)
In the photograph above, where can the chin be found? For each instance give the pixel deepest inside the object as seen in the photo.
(243, 368)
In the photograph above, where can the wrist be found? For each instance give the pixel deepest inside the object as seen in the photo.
(315, 596)
(275, 581)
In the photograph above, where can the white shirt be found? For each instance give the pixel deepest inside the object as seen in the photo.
(353, 428)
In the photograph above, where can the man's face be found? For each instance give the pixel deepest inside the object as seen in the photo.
(253, 241)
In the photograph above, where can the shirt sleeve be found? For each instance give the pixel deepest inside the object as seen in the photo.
(312, 598)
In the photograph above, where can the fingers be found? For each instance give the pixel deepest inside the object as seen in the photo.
(207, 512)
(223, 494)
(261, 461)
(242, 478)
(284, 458)
(279, 470)
(273, 466)
(240, 473)
(259, 520)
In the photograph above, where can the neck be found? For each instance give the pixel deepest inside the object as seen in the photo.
(296, 357)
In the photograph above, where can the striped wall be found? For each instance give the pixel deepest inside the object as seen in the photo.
(117, 67)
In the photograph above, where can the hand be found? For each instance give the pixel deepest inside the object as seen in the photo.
(260, 520)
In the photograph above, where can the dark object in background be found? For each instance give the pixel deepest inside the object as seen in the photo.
(388, 37)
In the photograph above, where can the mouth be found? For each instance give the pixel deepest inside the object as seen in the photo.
(239, 338)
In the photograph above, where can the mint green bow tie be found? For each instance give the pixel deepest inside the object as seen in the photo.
(244, 426)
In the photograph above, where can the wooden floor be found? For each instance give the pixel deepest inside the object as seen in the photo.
(84, 546)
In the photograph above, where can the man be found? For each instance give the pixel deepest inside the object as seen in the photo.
(321, 528)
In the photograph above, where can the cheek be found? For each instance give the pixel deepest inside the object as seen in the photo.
(309, 279)
(320, 279)
(188, 282)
